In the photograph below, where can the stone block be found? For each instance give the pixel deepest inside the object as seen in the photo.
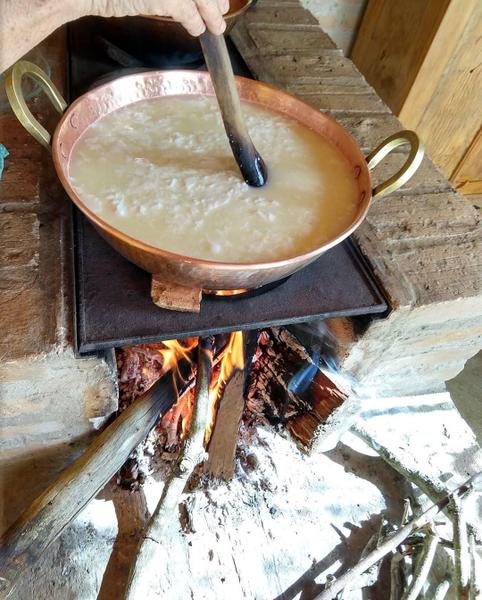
(53, 398)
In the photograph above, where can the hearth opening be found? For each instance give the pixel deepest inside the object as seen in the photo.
(265, 376)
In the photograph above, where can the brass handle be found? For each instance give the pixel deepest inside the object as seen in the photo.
(13, 87)
(407, 170)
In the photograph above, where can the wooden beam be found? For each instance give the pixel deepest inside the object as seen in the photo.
(33, 532)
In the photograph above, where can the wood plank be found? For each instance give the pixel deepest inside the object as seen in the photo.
(427, 69)
(467, 177)
(390, 56)
(222, 447)
(436, 60)
(448, 121)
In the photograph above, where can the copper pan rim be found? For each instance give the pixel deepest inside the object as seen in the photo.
(243, 82)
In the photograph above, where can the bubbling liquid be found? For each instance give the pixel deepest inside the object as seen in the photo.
(161, 171)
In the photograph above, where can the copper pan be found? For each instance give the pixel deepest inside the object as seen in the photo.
(185, 270)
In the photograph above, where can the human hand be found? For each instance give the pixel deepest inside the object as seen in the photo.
(194, 15)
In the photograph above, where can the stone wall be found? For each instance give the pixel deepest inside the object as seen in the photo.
(47, 395)
(340, 19)
(424, 242)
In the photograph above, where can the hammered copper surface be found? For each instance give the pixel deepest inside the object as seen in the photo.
(103, 100)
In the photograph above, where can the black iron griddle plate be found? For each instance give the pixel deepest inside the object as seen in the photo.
(114, 308)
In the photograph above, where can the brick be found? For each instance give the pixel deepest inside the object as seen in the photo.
(344, 103)
(19, 184)
(32, 315)
(272, 41)
(19, 240)
(427, 179)
(292, 15)
(52, 397)
(308, 68)
(371, 130)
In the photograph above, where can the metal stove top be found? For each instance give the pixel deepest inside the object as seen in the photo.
(112, 296)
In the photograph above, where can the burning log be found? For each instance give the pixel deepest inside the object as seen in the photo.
(222, 447)
(288, 388)
(33, 532)
(163, 525)
(226, 409)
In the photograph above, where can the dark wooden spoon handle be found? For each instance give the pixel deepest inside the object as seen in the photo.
(251, 165)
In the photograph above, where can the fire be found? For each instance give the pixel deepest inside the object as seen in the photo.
(173, 351)
(232, 358)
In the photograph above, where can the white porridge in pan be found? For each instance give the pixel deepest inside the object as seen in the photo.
(161, 171)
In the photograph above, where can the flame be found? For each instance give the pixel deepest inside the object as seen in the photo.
(173, 351)
(232, 358)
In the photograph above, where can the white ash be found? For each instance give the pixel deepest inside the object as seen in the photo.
(284, 514)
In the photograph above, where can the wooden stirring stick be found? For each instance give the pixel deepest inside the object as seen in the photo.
(252, 166)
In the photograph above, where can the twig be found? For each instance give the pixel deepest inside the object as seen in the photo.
(422, 568)
(167, 509)
(441, 590)
(433, 489)
(396, 576)
(394, 540)
(407, 510)
(473, 582)
(461, 573)
(371, 575)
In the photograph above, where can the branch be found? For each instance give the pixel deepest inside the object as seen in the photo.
(157, 530)
(441, 590)
(395, 576)
(462, 569)
(50, 513)
(474, 582)
(394, 540)
(433, 489)
(423, 566)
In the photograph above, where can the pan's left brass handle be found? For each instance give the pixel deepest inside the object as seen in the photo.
(13, 87)
(407, 170)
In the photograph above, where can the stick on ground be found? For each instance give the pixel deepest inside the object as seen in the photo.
(393, 541)
(32, 533)
(422, 568)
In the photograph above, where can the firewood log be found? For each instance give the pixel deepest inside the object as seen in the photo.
(31, 534)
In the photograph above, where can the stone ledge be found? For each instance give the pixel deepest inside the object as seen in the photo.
(423, 242)
(53, 398)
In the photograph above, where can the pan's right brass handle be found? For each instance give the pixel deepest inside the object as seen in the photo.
(407, 170)
(13, 86)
